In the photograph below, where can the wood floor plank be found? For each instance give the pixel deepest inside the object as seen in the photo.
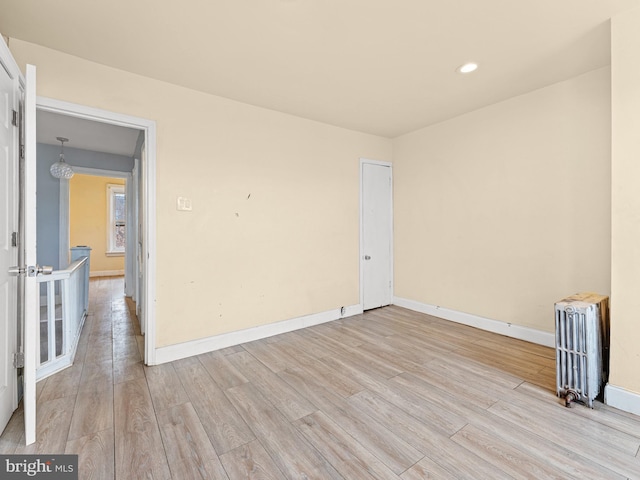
(548, 453)
(275, 390)
(165, 386)
(101, 350)
(360, 333)
(101, 372)
(186, 362)
(66, 384)
(13, 432)
(138, 446)
(392, 450)
(417, 349)
(312, 345)
(399, 359)
(606, 455)
(126, 370)
(564, 419)
(506, 359)
(435, 444)
(250, 462)
(374, 323)
(332, 331)
(349, 457)
(333, 380)
(614, 418)
(426, 468)
(405, 424)
(436, 416)
(368, 362)
(223, 372)
(93, 411)
(222, 422)
(294, 354)
(96, 457)
(322, 342)
(53, 418)
(189, 451)
(289, 450)
(552, 453)
(273, 359)
(483, 374)
(125, 347)
(465, 391)
(505, 456)
(518, 346)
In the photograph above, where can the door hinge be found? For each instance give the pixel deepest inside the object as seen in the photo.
(14, 239)
(14, 119)
(22, 152)
(18, 360)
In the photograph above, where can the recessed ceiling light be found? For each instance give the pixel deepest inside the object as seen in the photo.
(467, 68)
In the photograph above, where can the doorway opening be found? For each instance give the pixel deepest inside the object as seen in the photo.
(113, 145)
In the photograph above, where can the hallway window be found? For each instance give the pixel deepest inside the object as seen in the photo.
(116, 202)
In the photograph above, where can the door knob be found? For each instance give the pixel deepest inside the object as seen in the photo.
(15, 271)
(31, 271)
(367, 257)
(45, 269)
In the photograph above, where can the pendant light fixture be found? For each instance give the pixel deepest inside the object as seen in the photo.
(61, 169)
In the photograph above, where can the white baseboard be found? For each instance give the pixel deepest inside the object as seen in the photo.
(107, 273)
(503, 328)
(217, 342)
(622, 399)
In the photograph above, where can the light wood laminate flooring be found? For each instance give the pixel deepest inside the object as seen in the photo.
(391, 394)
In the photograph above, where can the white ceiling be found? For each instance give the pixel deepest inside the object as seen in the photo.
(85, 134)
(385, 67)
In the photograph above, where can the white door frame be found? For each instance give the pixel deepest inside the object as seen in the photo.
(364, 161)
(131, 259)
(149, 204)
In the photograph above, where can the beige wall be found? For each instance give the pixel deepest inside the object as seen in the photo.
(274, 229)
(503, 211)
(625, 252)
(88, 219)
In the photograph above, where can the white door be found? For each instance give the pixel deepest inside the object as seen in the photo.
(31, 297)
(23, 92)
(9, 98)
(376, 233)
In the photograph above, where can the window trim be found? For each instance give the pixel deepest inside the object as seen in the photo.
(112, 190)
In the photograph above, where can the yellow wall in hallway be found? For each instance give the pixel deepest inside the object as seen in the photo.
(88, 219)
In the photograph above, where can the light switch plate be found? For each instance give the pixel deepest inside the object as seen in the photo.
(184, 204)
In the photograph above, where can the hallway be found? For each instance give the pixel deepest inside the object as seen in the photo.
(76, 406)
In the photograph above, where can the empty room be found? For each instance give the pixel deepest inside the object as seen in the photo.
(345, 231)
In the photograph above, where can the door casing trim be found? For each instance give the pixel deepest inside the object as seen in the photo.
(149, 129)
